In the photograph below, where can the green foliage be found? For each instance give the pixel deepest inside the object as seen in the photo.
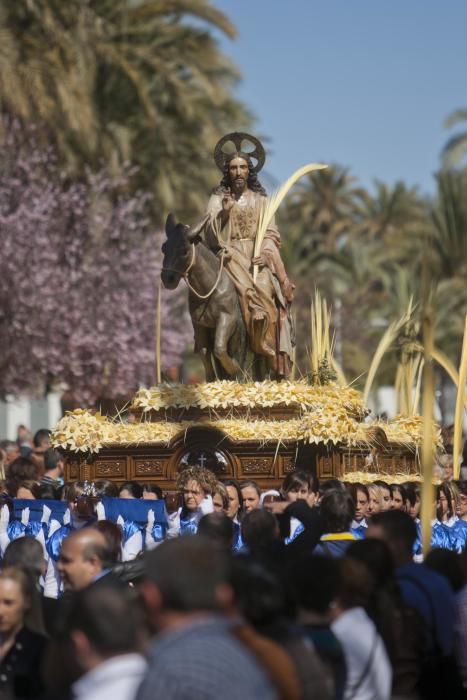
(456, 148)
(113, 81)
(369, 252)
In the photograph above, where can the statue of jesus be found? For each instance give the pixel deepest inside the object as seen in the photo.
(234, 211)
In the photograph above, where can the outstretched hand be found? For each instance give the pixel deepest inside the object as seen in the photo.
(227, 201)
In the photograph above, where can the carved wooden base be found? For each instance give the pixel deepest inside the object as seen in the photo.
(266, 464)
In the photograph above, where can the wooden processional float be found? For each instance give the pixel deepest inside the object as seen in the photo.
(259, 431)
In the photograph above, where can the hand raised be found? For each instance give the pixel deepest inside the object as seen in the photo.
(227, 201)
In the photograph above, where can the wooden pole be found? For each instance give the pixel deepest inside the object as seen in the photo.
(459, 414)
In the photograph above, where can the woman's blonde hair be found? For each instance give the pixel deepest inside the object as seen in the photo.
(33, 618)
(205, 478)
(222, 491)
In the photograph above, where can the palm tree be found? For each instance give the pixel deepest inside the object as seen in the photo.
(448, 260)
(456, 148)
(117, 81)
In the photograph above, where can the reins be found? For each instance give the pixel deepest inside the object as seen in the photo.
(185, 274)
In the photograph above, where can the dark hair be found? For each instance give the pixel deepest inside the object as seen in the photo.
(109, 618)
(13, 486)
(398, 527)
(23, 469)
(462, 487)
(153, 488)
(402, 490)
(218, 528)
(33, 619)
(236, 486)
(253, 183)
(259, 529)
(382, 484)
(41, 436)
(132, 487)
(331, 484)
(450, 565)
(249, 483)
(47, 491)
(315, 582)
(187, 571)
(412, 489)
(113, 536)
(51, 458)
(384, 604)
(25, 553)
(445, 489)
(354, 488)
(376, 556)
(337, 510)
(355, 584)
(105, 487)
(295, 480)
(73, 490)
(258, 592)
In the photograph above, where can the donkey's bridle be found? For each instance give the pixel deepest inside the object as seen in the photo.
(190, 265)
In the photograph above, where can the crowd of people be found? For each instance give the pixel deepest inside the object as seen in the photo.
(221, 589)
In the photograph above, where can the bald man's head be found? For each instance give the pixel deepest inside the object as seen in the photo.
(83, 556)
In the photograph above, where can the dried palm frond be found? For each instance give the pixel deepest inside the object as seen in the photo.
(385, 343)
(338, 370)
(459, 413)
(321, 343)
(272, 205)
(397, 386)
(158, 335)
(444, 362)
(408, 374)
(426, 511)
(418, 388)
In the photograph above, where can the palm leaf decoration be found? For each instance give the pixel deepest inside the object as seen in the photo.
(273, 203)
(390, 336)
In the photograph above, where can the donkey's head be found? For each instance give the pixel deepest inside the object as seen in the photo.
(177, 250)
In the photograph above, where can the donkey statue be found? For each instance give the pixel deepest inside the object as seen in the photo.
(219, 329)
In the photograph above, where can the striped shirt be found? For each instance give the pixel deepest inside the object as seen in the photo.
(204, 660)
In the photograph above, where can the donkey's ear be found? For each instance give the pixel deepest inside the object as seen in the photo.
(194, 232)
(170, 224)
(193, 235)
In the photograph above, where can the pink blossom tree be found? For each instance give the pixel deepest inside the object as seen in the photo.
(79, 274)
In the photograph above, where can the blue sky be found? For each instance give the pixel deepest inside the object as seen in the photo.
(364, 83)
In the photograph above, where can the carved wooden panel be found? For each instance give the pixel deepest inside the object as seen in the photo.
(257, 465)
(325, 467)
(150, 467)
(354, 462)
(286, 464)
(74, 471)
(105, 469)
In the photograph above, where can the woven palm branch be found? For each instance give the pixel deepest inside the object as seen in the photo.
(385, 343)
(273, 203)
